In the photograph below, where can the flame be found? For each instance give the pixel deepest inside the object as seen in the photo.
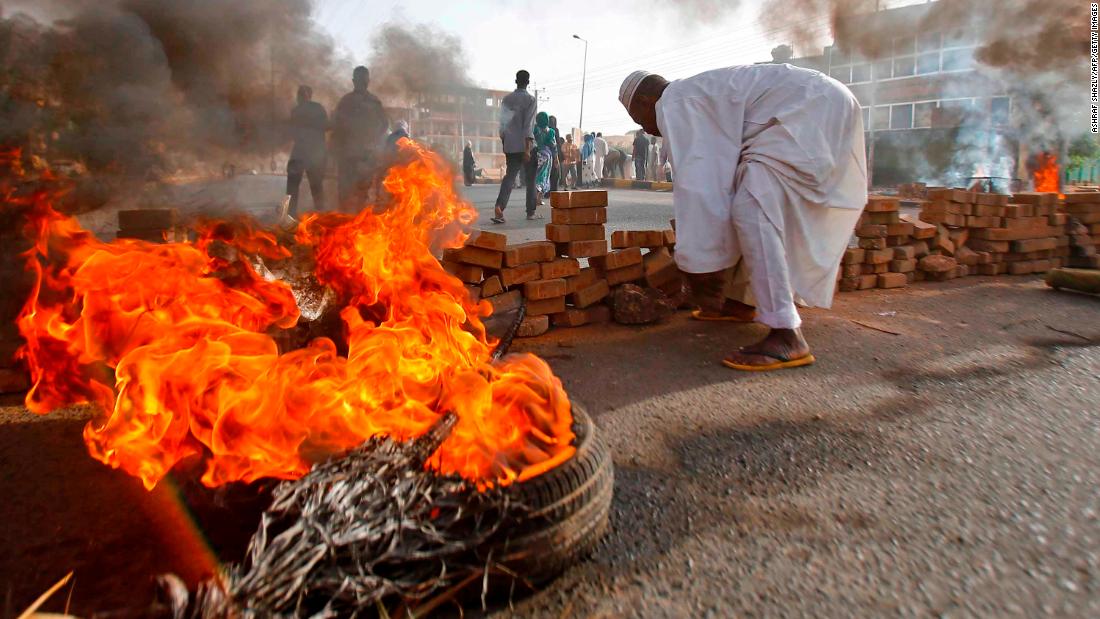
(1046, 175)
(174, 344)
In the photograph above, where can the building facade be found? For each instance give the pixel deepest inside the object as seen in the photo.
(446, 120)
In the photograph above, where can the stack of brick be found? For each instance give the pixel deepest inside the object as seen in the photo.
(577, 230)
(655, 268)
(890, 245)
(1027, 235)
(155, 225)
(1083, 229)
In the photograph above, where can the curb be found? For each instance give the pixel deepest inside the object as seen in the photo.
(626, 183)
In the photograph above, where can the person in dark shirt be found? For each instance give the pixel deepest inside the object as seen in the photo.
(641, 153)
(359, 125)
(468, 163)
(308, 121)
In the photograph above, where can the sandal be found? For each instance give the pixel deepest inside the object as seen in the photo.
(781, 362)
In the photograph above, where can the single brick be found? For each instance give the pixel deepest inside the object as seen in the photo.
(892, 280)
(560, 233)
(881, 204)
(578, 199)
(625, 275)
(544, 289)
(966, 256)
(883, 218)
(505, 302)
(871, 231)
(637, 238)
(1083, 197)
(590, 294)
(533, 326)
(989, 246)
(902, 228)
(974, 221)
(617, 259)
(670, 237)
(526, 253)
(1029, 197)
(594, 215)
(878, 256)
(515, 276)
(478, 256)
(853, 255)
(903, 266)
(560, 267)
(904, 252)
(867, 282)
(491, 286)
(851, 270)
(873, 243)
(487, 240)
(660, 267)
(582, 249)
(571, 317)
(952, 195)
(921, 229)
(848, 284)
(542, 307)
(598, 314)
(1019, 210)
(586, 277)
(467, 273)
(1029, 245)
(474, 291)
(983, 210)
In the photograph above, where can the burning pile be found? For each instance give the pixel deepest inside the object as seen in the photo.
(175, 344)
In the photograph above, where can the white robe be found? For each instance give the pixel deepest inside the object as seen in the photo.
(786, 138)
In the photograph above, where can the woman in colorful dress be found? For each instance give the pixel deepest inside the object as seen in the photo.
(546, 139)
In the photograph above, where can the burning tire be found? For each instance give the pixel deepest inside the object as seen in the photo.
(567, 507)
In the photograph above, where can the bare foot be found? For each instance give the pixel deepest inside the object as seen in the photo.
(779, 345)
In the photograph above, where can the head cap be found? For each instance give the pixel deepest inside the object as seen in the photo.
(630, 86)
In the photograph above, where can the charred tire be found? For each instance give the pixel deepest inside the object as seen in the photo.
(564, 512)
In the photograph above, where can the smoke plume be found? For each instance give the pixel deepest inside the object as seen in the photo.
(409, 61)
(137, 85)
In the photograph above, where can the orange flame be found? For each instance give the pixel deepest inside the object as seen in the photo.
(1046, 175)
(172, 342)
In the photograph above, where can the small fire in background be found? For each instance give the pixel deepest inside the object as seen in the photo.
(1046, 175)
(173, 344)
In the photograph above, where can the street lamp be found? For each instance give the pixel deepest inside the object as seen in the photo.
(584, 75)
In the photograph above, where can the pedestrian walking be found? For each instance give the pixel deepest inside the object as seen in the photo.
(601, 154)
(517, 120)
(308, 123)
(570, 162)
(641, 153)
(468, 164)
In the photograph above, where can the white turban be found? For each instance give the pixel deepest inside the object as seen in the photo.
(630, 86)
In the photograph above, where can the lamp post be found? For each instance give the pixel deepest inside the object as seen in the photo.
(584, 76)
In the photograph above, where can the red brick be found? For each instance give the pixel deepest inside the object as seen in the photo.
(594, 215)
(991, 199)
(475, 292)
(903, 266)
(853, 255)
(852, 270)
(467, 273)
(943, 218)
(560, 267)
(477, 256)
(975, 221)
(1030, 197)
(1058, 219)
(560, 233)
(1019, 210)
(598, 314)
(905, 252)
(487, 240)
(902, 228)
(848, 284)
(590, 294)
(526, 253)
(637, 238)
(882, 218)
(571, 317)
(541, 307)
(1029, 245)
(952, 195)
(966, 256)
(921, 230)
(578, 199)
(533, 326)
(881, 204)
(505, 302)
(491, 286)
(544, 289)
(1023, 267)
(586, 277)
(670, 238)
(940, 207)
(617, 259)
(659, 267)
(624, 275)
(892, 280)
(521, 274)
(871, 231)
(1004, 234)
(873, 243)
(878, 256)
(984, 210)
(582, 249)
(993, 268)
(1017, 223)
(867, 281)
(1083, 197)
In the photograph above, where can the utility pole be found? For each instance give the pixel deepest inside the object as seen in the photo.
(584, 77)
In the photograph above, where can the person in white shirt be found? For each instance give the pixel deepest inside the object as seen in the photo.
(601, 155)
(771, 178)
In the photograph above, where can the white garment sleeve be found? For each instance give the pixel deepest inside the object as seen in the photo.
(704, 133)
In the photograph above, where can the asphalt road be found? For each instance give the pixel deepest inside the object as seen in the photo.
(941, 458)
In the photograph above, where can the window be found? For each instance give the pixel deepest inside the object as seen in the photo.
(958, 38)
(905, 46)
(958, 59)
(901, 116)
(489, 102)
(929, 42)
(999, 110)
(883, 70)
(841, 74)
(881, 117)
(928, 63)
(922, 115)
(903, 67)
(861, 73)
